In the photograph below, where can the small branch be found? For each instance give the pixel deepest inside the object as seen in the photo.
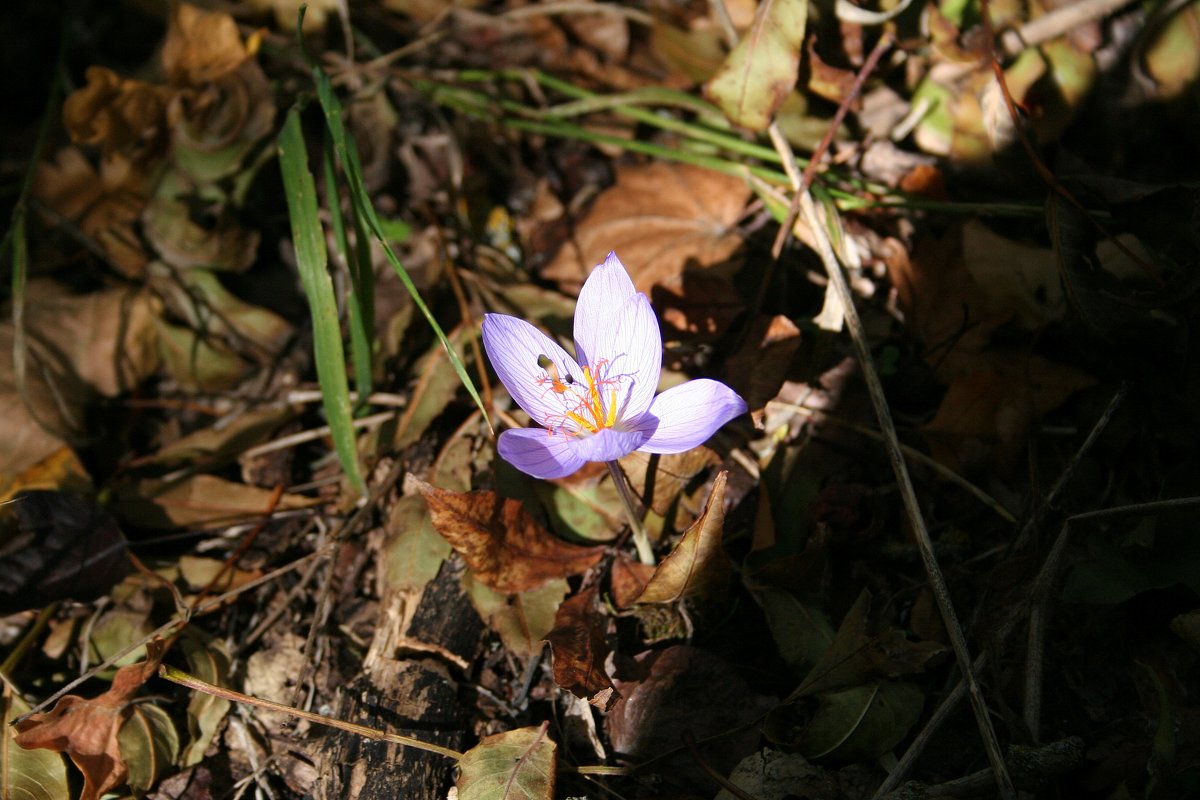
(194, 683)
(810, 171)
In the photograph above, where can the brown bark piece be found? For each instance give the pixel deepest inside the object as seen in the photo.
(407, 686)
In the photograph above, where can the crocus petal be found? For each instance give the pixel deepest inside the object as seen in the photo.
(631, 344)
(513, 346)
(687, 415)
(608, 445)
(537, 453)
(603, 292)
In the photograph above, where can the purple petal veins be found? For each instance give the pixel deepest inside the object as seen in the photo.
(600, 405)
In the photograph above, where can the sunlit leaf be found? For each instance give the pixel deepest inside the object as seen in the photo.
(762, 69)
(515, 765)
(663, 217)
(523, 619)
(503, 545)
(698, 564)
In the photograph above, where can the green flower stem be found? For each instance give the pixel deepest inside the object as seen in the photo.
(640, 540)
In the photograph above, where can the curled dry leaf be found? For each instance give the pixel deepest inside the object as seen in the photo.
(505, 548)
(120, 115)
(697, 565)
(580, 650)
(88, 730)
(662, 217)
(201, 46)
(105, 204)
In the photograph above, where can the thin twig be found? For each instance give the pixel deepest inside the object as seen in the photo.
(908, 495)
(1040, 588)
(194, 683)
(168, 628)
(810, 171)
(907, 492)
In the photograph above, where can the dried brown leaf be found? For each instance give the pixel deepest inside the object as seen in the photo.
(201, 46)
(505, 548)
(697, 565)
(658, 480)
(683, 689)
(761, 365)
(105, 205)
(628, 580)
(120, 115)
(661, 218)
(580, 650)
(87, 730)
(198, 500)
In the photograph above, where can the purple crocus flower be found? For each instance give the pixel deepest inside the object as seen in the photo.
(600, 405)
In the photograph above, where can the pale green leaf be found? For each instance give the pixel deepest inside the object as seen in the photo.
(521, 620)
(209, 662)
(28, 774)
(761, 71)
(516, 765)
(149, 746)
(413, 552)
(861, 723)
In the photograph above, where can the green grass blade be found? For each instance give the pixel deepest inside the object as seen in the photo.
(347, 154)
(360, 323)
(318, 288)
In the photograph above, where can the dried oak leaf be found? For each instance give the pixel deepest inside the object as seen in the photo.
(577, 642)
(87, 730)
(661, 218)
(505, 548)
